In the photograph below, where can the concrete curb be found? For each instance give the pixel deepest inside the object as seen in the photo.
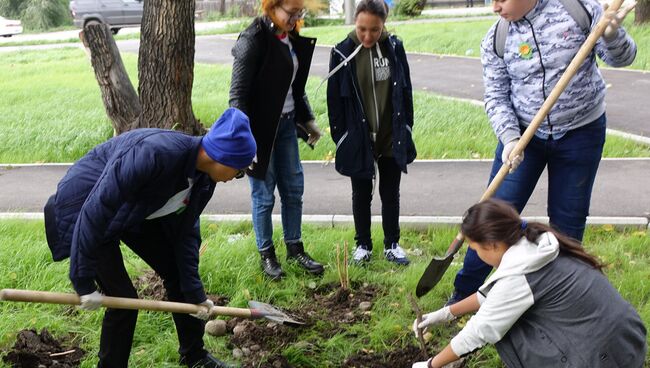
(411, 222)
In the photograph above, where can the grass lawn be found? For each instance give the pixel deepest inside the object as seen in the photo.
(464, 38)
(51, 111)
(229, 267)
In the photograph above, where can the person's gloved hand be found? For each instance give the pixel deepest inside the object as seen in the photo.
(440, 316)
(91, 301)
(204, 313)
(507, 149)
(421, 364)
(313, 131)
(616, 19)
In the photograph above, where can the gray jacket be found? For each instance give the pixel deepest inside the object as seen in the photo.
(542, 308)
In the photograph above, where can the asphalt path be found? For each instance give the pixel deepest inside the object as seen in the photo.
(628, 92)
(431, 188)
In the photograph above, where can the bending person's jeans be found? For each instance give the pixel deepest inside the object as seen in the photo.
(572, 163)
(285, 172)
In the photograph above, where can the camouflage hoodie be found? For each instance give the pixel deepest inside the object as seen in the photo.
(538, 49)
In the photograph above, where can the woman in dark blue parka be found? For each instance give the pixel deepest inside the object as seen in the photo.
(370, 107)
(146, 188)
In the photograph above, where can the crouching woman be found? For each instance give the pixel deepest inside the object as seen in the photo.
(548, 304)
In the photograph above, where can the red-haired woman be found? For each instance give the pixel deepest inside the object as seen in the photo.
(547, 304)
(270, 69)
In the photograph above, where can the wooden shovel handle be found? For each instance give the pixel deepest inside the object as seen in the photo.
(548, 104)
(121, 303)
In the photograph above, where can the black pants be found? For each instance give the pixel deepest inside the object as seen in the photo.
(118, 326)
(389, 180)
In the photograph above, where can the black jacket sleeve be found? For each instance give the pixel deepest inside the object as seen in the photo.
(408, 91)
(246, 54)
(335, 106)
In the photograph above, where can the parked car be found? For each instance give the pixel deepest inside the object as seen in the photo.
(115, 13)
(9, 27)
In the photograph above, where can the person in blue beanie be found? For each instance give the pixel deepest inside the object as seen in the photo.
(145, 188)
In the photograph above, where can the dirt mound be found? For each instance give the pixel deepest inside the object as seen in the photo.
(402, 358)
(150, 286)
(340, 306)
(33, 350)
(258, 344)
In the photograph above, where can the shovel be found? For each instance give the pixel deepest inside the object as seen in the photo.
(436, 269)
(257, 309)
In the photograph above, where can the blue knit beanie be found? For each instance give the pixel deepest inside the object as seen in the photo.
(230, 141)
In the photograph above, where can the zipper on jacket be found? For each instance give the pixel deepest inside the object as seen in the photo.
(539, 51)
(345, 135)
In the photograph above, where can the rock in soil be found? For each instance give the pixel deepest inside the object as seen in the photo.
(42, 350)
(216, 327)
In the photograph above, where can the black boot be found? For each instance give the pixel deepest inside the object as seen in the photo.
(296, 252)
(270, 264)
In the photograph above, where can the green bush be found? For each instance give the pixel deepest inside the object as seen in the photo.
(37, 14)
(409, 8)
(46, 14)
(12, 8)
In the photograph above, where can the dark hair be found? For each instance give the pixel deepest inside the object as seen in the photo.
(494, 220)
(374, 7)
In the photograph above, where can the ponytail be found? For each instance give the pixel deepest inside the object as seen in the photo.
(494, 221)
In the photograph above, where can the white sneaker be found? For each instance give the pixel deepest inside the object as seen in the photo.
(361, 255)
(396, 254)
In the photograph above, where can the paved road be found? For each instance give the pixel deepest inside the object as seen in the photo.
(432, 188)
(459, 77)
(628, 109)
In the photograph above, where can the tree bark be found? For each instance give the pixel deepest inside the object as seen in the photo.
(120, 99)
(166, 66)
(642, 12)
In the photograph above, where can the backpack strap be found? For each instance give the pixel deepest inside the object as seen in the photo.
(500, 35)
(579, 13)
(575, 8)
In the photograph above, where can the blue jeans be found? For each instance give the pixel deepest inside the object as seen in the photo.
(285, 172)
(572, 163)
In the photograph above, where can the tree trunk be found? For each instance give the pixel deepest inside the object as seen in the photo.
(120, 100)
(166, 66)
(642, 12)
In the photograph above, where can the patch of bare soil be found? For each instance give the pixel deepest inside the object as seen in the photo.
(33, 350)
(150, 286)
(333, 304)
(401, 358)
(258, 344)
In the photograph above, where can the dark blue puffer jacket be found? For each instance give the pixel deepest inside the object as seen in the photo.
(114, 187)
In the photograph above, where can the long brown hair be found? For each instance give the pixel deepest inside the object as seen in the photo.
(494, 221)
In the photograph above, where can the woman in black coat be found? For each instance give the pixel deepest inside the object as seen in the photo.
(270, 69)
(370, 106)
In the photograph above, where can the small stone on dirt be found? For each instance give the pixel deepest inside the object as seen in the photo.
(255, 347)
(237, 353)
(216, 327)
(365, 306)
(239, 330)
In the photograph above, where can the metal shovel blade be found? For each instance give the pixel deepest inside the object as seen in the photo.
(271, 313)
(437, 268)
(433, 274)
